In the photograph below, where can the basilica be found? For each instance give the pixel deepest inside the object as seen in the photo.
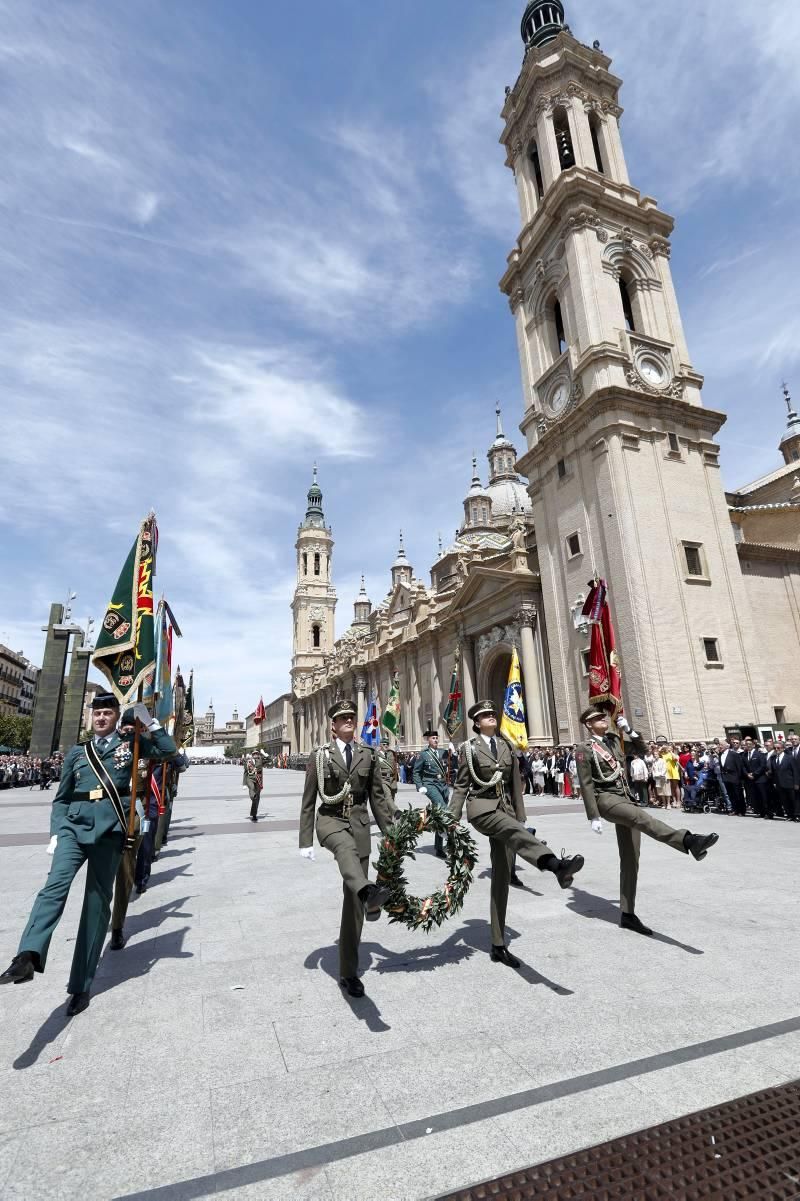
(620, 477)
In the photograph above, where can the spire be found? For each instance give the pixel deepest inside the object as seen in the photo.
(401, 568)
(314, 513)
(790, 442)
(476, 486)
(542, 21)
(362, 590)
(500, 433)
(363, 606)
(441, 549)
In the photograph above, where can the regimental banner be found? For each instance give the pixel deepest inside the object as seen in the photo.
(125, 651)
(371, 730)
(512, 725)
(454, 712)
(186, 734)
(605, 675)
(391, 714)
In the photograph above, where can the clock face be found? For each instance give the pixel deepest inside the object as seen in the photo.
(557, 400)
(652, 371)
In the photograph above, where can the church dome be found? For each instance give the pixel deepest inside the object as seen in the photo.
(509, 497)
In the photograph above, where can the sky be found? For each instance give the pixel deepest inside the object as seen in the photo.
(239, 238)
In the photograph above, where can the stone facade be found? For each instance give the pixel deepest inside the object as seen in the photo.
(208, 733)
(274, 734)
(12, 675)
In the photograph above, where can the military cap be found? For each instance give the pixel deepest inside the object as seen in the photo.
(105, 700)
(591, 713)
(128, 718)
(481, 707)
(342, 709)
(429, 733)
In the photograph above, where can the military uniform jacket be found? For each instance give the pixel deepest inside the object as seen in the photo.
(71, 803)
(601, 768)
(387, 762)
(367, 784)
(429, 774)
(486, 800)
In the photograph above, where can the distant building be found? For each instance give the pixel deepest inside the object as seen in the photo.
(274, 734)
(27, 696)
(13, 665)
(232, 734)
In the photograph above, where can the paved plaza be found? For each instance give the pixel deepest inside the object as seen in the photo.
(220, 1056)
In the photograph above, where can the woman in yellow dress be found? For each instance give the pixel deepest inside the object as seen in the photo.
(673, 775)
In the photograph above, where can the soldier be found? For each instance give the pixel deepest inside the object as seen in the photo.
(431, 781)
(88, 822)
(254, 780)
(387, 762)
(606, 793)
(127, 864)
(345, 776)
(489, 781)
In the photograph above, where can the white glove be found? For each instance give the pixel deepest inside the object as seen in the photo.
(142, 714)
(51, 846)
(597, 826)
(423, 790)
(623, 724)
(307, 852)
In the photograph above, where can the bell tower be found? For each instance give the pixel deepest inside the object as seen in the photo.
(314, 602)
(621, 460)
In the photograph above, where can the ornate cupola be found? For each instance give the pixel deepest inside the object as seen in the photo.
(314, 514)
(362, 607)
(790, 442)
(507, 493)
(542, 21)
(477, 504)
(402, 571)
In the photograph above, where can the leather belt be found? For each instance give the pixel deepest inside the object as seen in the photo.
(337, 810)
(89, 799)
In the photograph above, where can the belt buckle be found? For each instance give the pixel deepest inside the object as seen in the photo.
(96, 794)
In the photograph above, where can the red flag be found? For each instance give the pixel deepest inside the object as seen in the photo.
(260, 713)
(605, 677)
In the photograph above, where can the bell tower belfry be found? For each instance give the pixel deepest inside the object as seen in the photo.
(314, 602)
(621, 460)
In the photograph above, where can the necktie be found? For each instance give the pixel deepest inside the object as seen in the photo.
(493, 746)
(348, 754)
(101, 744)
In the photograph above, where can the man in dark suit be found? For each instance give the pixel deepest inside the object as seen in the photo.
(489, 782)
(731, 766)
(786, 777)
(755, 778)
(344, 776)
(88, 825)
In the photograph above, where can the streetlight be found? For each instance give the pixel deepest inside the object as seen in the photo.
(68, 607)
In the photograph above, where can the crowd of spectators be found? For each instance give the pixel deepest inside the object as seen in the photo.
(23, 771)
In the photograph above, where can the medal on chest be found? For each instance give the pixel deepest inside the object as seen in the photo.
(123, 755)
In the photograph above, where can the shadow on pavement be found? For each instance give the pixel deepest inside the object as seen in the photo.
(586, 904)
(326, 959)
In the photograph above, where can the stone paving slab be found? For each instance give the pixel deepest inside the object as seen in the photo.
(220, 1055)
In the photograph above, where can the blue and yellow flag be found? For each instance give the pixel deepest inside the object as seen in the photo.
(512, 725)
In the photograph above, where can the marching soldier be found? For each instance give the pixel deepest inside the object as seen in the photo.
(387, 762)
(127, 864)
(489, 782)
(254, 780)
(344, 775)
(88, 822)
(431, 781)
(606, 793)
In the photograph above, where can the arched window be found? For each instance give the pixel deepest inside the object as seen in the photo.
(558, 320)
(536, 166)
(594, 130)
(305, 563)
(316, 564)
(627, 308)
(315, 635)
(566, 154)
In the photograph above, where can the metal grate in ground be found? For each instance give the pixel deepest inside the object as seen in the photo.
(744, 1150)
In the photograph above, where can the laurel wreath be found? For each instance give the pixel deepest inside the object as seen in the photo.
(400, 842)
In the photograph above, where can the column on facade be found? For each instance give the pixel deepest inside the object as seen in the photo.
(416, 696)
(436, 687)
(537, 712)
(548, 149)
(468, 674)
(584, 149)
(361, 701)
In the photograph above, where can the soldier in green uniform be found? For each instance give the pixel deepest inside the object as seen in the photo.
(489, 781)
(344, 776)
(88, 825)
(387, 762)
(606, 793)
(254, 780)
(430, 780)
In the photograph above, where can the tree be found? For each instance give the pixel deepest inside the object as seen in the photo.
(15, 731)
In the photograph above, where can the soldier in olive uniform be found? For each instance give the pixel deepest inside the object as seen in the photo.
(88, 823)
(489, 781)
(344, 776)
(606, 793)
(254, 781)
(387, 762)
(430, 780)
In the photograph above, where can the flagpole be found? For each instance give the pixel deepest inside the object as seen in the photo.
(134, 771)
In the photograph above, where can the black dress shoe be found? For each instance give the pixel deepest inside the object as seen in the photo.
(515, 881)
(698, 845)
(440, 855)
(253, 819)
(352, 985)
(376, 898)
(20, 970)
(566, 869)
(629, 921)
(140, 888)
(77, 1003)
(117, 940)
(503, 955)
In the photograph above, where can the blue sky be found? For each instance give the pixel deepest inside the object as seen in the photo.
(240, 237)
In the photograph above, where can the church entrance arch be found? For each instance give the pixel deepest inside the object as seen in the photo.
(493, 674)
